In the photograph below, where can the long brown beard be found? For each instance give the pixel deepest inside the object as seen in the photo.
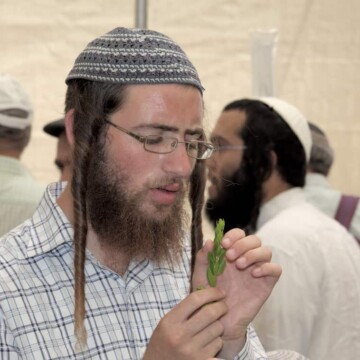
(120, 225)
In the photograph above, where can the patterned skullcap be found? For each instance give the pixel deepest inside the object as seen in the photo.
(135, 56)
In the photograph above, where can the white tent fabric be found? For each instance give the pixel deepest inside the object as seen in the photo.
(317, 63)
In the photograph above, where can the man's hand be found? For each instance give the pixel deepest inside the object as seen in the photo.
(247, 281)
(190, 330)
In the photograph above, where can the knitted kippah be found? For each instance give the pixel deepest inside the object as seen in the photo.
(135, 56)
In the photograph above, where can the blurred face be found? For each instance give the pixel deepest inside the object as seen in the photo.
(63, 157)
(136, 197)
(223, 164)
(231, 191)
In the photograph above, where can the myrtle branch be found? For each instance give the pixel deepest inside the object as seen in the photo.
(216, 257)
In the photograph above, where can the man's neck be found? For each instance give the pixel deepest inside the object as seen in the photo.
(65, 201)
(15, 154)
(273, 186)
(113, 259)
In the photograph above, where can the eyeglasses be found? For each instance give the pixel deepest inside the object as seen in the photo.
(230, 147)
(159, 144)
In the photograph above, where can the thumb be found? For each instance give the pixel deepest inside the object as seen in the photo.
(199, 278)
(202, 255)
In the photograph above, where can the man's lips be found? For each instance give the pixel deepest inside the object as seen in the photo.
(166, 194)
(170, 187)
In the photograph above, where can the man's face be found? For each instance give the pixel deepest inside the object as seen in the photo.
(63, 157)
(169, 110)
(231, 192)
(223, 164)
(136, 197)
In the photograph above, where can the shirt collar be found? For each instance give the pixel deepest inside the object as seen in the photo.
(278, 203)
(49, 227)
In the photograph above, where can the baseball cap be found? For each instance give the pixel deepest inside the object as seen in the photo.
(14, 101)
(55, 128)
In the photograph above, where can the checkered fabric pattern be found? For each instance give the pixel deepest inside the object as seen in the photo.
(37, 296)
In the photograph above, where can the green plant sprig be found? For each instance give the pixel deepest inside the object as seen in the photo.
(216, 257)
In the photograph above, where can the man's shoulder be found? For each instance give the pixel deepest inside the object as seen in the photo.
(303, 221)
(21, 191)
(13, 251)
(307, 232)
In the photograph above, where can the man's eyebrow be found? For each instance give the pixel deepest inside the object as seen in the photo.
(158, 127)
(217, 137)
(197, 131)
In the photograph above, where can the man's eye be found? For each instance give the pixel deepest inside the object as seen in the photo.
(193, 145)
(215, 142)
(154, 139)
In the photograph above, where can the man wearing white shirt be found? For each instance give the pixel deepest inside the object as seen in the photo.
(256, 179)
(20, 193)
(318, 190)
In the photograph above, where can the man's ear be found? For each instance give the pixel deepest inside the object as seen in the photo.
(69, 121)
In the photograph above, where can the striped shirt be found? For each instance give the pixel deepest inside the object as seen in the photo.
(37, 295)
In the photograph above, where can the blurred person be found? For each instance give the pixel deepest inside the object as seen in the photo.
(63, 153)
(20, 193)
(108, 267)
(256, 179)
(318, 191)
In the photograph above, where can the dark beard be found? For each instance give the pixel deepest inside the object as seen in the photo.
(236, 203)
(121, 227)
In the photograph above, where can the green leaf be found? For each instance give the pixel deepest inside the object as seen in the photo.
(216, 268)
(216, 258)
(221, 267)
(212, 265)
(211, 278)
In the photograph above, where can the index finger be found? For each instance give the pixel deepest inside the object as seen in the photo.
(231, 236)
(195, 301)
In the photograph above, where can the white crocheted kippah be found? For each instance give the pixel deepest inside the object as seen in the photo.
(294, 118)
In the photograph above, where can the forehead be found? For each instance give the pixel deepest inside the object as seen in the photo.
(172, 104)
(229, 124)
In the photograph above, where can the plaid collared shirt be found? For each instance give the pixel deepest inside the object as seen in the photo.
(37, 295)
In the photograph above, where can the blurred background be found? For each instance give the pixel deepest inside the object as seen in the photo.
(315, 53)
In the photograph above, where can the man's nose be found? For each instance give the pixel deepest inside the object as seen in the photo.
(178, 162)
